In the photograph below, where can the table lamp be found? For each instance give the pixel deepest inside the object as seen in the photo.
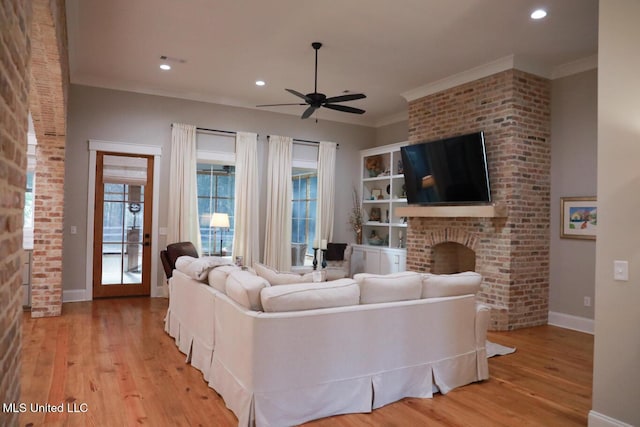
(221, 221)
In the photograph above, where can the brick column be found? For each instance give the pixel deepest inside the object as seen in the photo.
(48, 105)
(46, 278)
(513, 109)
(15, 22)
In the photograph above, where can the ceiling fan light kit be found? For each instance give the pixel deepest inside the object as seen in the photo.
(316, 100)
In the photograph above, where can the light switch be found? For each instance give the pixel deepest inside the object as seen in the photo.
(74, 229)
(621, 270)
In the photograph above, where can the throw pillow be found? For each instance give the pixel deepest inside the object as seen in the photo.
(309, 296)
(244, 288)
(376, 288)
(183, 262)
(449, 285)
(200, 267)
(275, 277)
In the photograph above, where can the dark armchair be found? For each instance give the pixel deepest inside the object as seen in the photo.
(174, 250)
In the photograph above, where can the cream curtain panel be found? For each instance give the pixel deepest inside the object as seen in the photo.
(247, 199)
(326, 191)
(277, 245)
(183, 203)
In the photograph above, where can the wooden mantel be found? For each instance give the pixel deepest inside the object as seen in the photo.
(471, 211)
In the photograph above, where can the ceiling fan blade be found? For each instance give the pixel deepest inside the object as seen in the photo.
(299, 95)
(277, 105)
(344, 98)
(344, 108)
(309, 111)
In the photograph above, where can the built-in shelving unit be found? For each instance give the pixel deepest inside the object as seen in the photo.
(382, 192)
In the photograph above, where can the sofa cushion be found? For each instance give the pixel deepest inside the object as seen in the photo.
(275, 277)
(375, 288)
(309, 296)
(244, 288)
(218, 276)
(449, 285)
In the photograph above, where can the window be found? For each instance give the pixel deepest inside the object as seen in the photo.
(28, 201)
(216, 191)
(305, 185)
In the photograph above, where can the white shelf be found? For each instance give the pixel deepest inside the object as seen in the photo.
(401, 225)
(377, 178)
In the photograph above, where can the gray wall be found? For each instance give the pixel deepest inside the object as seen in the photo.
(616, 377)
(573, 173)
(128, 117)
(390, 134)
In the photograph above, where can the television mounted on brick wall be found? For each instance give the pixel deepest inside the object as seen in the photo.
(449, 171)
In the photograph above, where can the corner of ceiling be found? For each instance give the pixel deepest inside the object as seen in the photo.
(505, 63)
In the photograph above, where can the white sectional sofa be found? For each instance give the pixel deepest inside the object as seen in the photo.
(279, 360)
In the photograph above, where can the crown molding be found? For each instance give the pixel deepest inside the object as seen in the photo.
(485, 70)
(575, 67)
(499, 65)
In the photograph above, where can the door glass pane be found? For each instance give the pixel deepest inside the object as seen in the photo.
(123, 215)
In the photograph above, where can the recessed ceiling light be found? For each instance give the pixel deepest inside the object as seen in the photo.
(260, 83)
(165, 67)
(538, 14)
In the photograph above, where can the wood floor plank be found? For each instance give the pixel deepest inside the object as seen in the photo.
(113, 356)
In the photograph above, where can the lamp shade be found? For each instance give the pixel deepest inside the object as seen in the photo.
(220, 220)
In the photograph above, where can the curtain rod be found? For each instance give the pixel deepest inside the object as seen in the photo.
(230, 132)
(306, 141)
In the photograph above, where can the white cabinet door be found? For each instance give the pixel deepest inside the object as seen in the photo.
(392, 261)
(365, 259)
(357, 260)
(372, 260)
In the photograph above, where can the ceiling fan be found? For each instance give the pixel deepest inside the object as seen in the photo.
(316, 100)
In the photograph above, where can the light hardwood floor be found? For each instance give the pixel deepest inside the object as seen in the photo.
(114, 357)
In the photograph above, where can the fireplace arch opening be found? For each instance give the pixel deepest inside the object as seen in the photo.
(452, 257)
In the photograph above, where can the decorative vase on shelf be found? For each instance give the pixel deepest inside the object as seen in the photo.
(359, 237)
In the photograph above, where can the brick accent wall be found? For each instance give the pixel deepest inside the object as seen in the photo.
(15, 22)
(513, 109)
(48, 101)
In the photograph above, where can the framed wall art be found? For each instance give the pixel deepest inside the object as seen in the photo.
(578, 217)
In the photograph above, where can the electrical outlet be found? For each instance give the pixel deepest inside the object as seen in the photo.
(587, 301)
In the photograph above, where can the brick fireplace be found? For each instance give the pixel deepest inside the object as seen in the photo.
(512, 107)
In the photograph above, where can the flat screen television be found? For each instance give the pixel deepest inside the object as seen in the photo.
(447, 172)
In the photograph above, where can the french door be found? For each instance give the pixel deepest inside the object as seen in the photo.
(122, 225)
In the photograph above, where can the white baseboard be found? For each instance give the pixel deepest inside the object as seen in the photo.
(568, 321)
(600, 420)
(74, 295)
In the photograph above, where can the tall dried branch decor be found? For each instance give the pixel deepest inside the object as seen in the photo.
(355, 217)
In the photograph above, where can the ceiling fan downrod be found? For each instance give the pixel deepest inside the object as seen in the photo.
(316, 46)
